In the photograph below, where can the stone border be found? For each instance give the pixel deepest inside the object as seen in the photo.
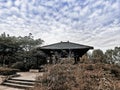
(34, 70)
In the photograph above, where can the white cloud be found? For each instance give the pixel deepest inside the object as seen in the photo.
(9, 4)
(17, 3)
(91, 22)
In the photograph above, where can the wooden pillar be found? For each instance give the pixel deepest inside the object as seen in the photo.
(69, 54)
(76, 57)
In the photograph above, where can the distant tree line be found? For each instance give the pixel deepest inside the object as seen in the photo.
(111, 56)
(19, 51)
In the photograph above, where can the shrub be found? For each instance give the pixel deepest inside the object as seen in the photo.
(67, 61)
(18, 65)
(116, 72)
(77, 77)
(90, 67)
(60, 77)
(8, 71)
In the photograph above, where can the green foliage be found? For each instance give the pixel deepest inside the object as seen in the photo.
(28, 42)
(18, 65)
(8, 45)
(113, 55)
(98, 55)
(14, 49)
(24, 66)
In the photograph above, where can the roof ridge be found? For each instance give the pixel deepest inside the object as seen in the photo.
(66, 45)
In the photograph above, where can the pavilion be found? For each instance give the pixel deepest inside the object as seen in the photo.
(65, 49)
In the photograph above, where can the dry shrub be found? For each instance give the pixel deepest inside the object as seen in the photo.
(78, 77)
(115, 71)
(59, 77)
(67, 61)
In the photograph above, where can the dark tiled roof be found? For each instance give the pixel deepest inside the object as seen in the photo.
(66, 45)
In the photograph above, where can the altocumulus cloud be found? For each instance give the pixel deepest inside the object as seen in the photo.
(91, 22)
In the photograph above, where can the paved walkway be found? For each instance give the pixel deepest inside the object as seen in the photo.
(8, 88)
(28, 75)
(24, 76)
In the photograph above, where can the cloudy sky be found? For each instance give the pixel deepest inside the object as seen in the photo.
(89, 22)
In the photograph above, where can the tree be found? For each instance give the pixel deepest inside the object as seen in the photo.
(14, 49)
(8, 46)
(28, 42)
(108, 56)
(113, 55)
(98, 55)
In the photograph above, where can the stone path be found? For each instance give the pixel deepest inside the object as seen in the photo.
(24, 76)
(8, 88)
(28, 75)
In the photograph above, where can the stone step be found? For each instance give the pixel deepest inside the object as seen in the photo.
(17, 85)
(21, 82)
(24, 80)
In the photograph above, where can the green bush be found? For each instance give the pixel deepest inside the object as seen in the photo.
(18, 65)
(24, 66)
(8, 71)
